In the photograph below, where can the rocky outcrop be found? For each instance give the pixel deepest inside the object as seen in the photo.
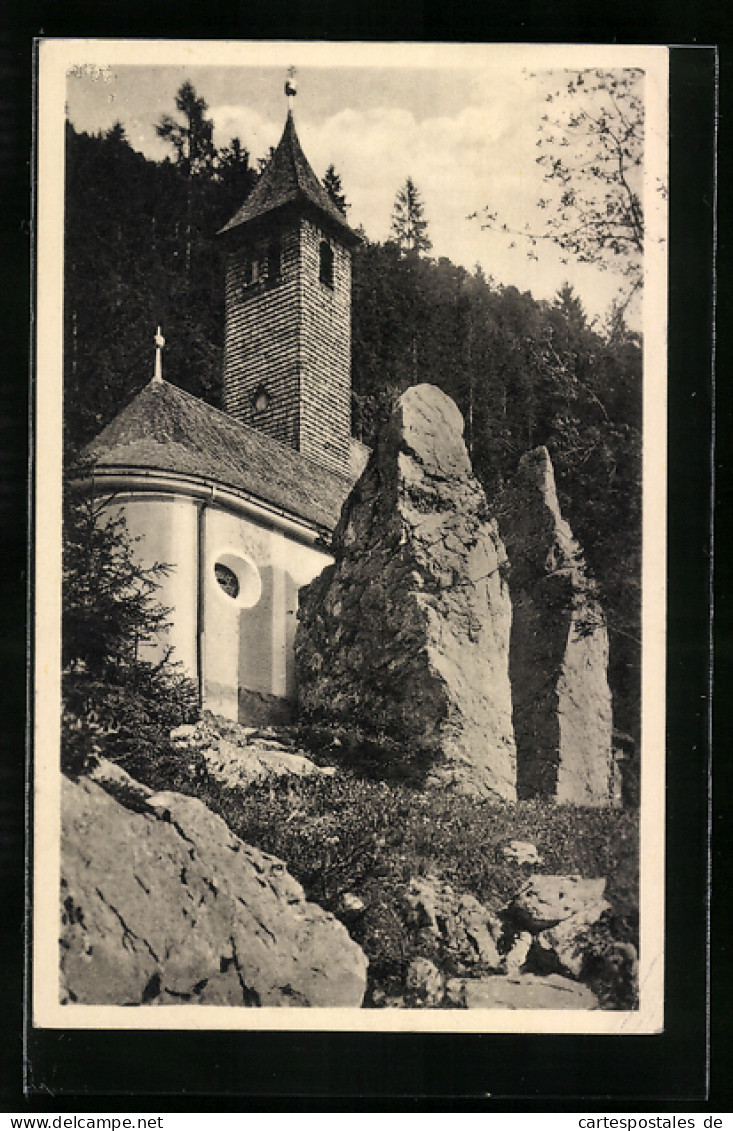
(530, 955)
(235, 755)
(407, 634)
(544, 901)
(456, 927)
(559, 647)
(555, 914)
(162, 904)
(522, 991)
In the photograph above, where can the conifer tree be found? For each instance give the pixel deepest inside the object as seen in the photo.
(334, 188)
(110, 606)
(119, 697)
(409, 226)
(192, 139)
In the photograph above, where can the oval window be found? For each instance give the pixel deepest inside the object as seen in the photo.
(227, 579)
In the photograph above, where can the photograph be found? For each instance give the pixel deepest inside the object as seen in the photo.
(349, 638)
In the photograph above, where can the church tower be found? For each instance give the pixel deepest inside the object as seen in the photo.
(287, 353)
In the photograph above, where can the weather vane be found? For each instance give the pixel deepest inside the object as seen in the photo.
(159, 343)
(291, 88)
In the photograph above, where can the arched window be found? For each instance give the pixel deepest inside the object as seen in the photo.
(326, 263)
(261, 399)
(274, 260)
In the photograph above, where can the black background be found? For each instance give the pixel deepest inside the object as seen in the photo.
(76, 1070)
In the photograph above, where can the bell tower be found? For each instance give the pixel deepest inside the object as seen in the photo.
(287, 350)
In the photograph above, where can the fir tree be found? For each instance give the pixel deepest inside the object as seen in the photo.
(409, 226)
(334, 188)
(194, 146)
(110, 607)
(192, 139)
(115, 700)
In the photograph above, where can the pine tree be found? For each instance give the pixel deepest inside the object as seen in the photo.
(236, 176)
(192, 140)
(571, 307)
(194, 146)
(334, 188)
(409, 226)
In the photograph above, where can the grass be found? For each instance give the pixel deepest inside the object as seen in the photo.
(350, 833)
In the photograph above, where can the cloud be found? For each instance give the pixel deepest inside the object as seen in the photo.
(484, 154)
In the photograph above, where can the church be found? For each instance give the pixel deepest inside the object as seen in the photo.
(242, 503)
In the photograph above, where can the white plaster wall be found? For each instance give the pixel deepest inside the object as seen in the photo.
(248, 641)
(167, 528)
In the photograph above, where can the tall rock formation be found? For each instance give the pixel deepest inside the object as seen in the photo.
(407, 634)
(559, 647)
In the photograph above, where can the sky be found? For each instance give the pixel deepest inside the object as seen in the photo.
(461, 121)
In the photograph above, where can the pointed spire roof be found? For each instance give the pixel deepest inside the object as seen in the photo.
(289, 179)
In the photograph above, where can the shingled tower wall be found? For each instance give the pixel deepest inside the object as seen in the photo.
(287, 354)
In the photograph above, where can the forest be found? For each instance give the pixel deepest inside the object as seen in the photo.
(140, 251)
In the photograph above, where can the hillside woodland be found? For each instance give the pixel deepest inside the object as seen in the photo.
(140, 251)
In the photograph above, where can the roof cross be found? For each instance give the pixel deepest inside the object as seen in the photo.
(159, 343)
(291, 88)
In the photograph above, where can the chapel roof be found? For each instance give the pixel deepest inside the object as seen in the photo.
(165, 429)
(289, 179)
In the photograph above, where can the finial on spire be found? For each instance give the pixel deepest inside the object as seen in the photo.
(291, 88)
(159, 343)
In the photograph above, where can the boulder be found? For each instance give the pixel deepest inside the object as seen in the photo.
(559, 648)
(564, 946)
(545, 901)
(162, 904)
(520, 852)
(351, 905)
(457, 926)
(407, 633)
(524, 991)
(423, 984)
(235, 755)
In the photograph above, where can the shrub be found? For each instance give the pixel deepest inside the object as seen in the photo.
(115, 703)
(128, 723)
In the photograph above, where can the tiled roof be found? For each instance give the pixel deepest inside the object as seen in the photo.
(288, 179)
(166, 429)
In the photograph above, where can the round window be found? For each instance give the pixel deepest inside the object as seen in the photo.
(239, 579)
(227, 579)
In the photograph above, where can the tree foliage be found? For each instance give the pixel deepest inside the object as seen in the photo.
(119, 687)
(110, 607)
(334, 188)
(409, 226)
(591, 150)
(192, 139)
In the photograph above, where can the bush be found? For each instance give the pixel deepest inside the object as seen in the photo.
(115, 703)
(128, 723)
